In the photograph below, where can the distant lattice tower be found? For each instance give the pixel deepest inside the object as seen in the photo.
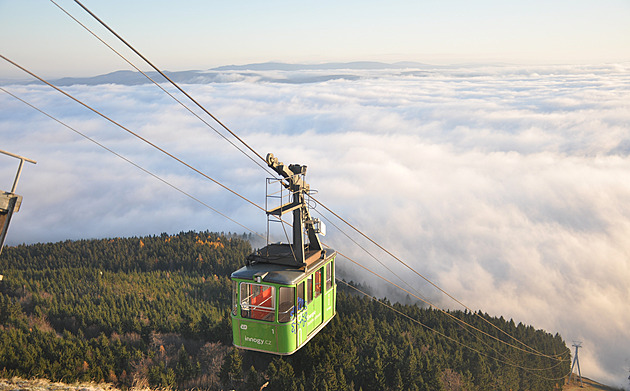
(576, 360)
(9, 201)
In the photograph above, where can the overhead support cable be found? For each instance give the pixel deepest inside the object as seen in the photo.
(417, 295)
(423, 277)
(169, 79)
(132, 163)
(371, 255)
(227, 217)
(133, 133)
(252, 150)
(217, 182)
(461, 322)
(162, 88)
(452, 339)
(260, 157)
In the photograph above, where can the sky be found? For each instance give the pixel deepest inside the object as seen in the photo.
(500, 170)
(201, 34)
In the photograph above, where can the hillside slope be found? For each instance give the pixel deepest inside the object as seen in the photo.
(154, 312)
(587, 384)
(16, 383)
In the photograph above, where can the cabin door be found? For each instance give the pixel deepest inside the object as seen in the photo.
(301, 314)
(314, 300)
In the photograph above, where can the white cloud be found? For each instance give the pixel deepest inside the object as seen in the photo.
(508, 186)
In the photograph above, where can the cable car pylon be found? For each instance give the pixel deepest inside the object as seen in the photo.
(9, 201)
(577, 345)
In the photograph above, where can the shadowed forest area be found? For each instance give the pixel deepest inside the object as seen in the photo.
(154, 312)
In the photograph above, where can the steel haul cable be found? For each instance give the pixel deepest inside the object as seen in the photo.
(161, 88)
(461, 322)
(452, 339)
(417, 295)
(204, 203)
(169, 79)
(534, 351)
(252, 150)
(132, 133)
(177, 159)
(131, 162)
(257, 154)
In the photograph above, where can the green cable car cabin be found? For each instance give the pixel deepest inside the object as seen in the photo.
(286, 293)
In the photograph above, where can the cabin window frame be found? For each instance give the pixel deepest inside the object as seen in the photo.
(309, 289)
(265, 310)
(235, 301)
(317, 283)
(286, 298)
(301, 296)
(329, 275)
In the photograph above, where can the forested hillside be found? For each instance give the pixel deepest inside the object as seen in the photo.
(154, 311)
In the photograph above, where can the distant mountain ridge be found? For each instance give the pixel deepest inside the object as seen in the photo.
(235, 73)
(280, 66)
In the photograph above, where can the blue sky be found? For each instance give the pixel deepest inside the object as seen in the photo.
(201, 34)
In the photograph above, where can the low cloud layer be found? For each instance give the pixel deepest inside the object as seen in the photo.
(507, 186)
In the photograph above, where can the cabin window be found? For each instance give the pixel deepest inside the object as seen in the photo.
(309, 288)
(329, 276)
(318, 283)
(258, 301)
(286, 304)
(234, 297)
(301, 304)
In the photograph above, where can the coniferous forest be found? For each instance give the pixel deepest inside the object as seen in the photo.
(154, 312)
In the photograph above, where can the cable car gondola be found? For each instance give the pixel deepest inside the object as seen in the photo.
(286, 293)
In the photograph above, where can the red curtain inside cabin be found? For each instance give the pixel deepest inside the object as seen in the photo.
(262, 304)
(318, 283)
